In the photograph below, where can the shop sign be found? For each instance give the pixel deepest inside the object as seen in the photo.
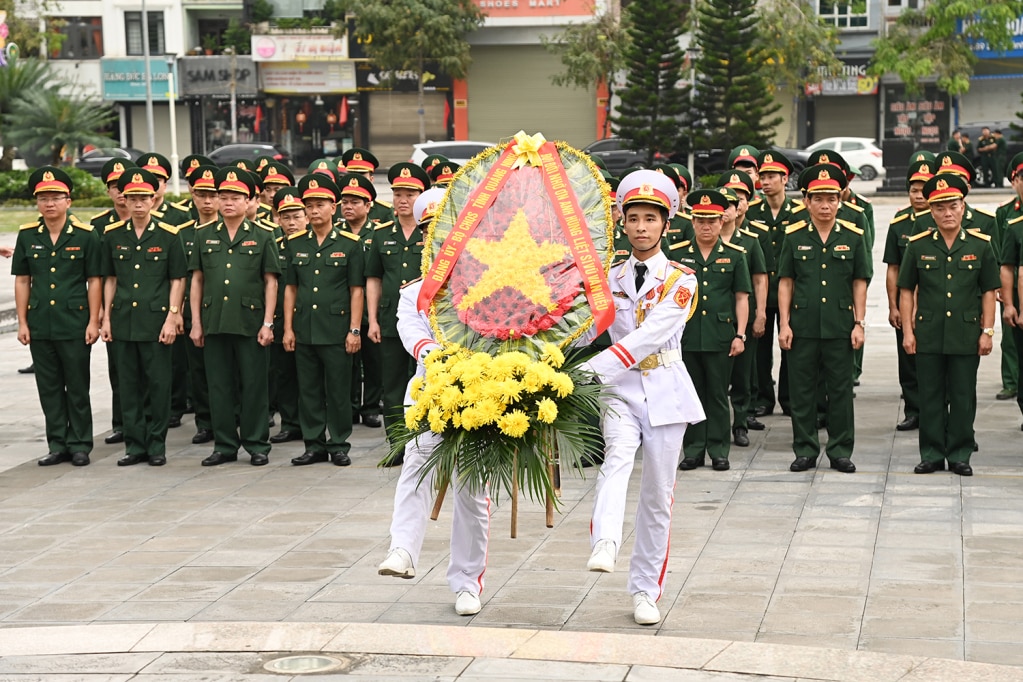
(922, 118)
(212, 76)
(298, 47)
(311, 78)
(370, 78)
(124, 80)
(983, 50)
(535, 8)
(850, 79)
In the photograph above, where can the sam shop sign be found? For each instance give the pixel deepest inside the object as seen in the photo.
(212, 76)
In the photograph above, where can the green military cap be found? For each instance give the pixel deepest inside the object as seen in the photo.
(50, 179)
(157, 164)
(288, 199)
(358, 160)
(137, 181)
(318, 186)
(194, 161)
(771, 161)
(432, 160)
(598, 161)
(113, 169)
(257, 181)
(245, 163)
(954, 162)
(202, 177)
(276, 173)
(357, 185)
(822, 178)
(262, 161)
(920, 171)
(234, 179)
(409, 176)
(672, 174)
(744, 154)
(707, 203)
(443, 173)
(1015, 166)
(834, 158)
(737, 180)
(946, 187)
(730, 194)
(324, 166)
(921, 155)
(683, 174)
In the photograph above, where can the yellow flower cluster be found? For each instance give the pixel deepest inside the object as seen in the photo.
(466, 390)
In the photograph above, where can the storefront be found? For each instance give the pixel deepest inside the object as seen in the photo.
(844, 104)
(124, 85)
(206, 83)
(920, 119)
(995, 87)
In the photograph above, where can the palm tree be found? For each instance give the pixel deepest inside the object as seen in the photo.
(24, 76)
(47, 122)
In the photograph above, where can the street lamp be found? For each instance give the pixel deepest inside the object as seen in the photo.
(171, 100)
(229, 50)
(150, 128)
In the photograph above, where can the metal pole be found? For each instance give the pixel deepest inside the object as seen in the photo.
(150, 128)
(234, 96)
(172, 101)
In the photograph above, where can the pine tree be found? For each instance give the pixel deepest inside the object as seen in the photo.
(732, 103)
(652, 113)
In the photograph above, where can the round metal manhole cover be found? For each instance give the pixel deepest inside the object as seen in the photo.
(306, 664)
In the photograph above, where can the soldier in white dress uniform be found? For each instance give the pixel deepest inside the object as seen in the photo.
(470, 525)
(655, 398)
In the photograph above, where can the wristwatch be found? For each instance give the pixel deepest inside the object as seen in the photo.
(354, 332)
(862, 323)
(173, 309)
(990, 331)
(741, 337)
(268, 325)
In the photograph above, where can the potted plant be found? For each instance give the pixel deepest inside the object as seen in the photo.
(210, 43)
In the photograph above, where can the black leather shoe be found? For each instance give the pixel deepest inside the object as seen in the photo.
(130, 460)
(113, 438)
(856, 382)
(340, 459)
(80, 459)
(961, 468)
(787, 411)
(719, 464)
(763, 411)
(270, 422)
(908, 424)
(801, 464)
(219, 458)
(929, 467)
(754, 424)
(843, 464)
(309, 458)
(976, 446)
(157, 460)
(1005, 394)
(822, 423)
(31, 369)
(258, 460)
(53, 458)
(285, 436)
(202, 436)
(175, 421)
(395, 461)
(689, 464)
(372, 421)
(740, 437)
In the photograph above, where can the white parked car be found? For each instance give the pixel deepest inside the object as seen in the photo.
(860, 152)
(456, 151)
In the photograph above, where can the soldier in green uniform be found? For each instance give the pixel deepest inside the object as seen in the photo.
(1010, 221)
(322, 309)
(432, 160)
(903, 226)
(205, 206)
(715, 335)
(274, 176)
(986, 148)
(289, 214)
(442, 174)
(770, 218)
(189, 164)
(145, 267)
(360, 161)
(357, 198)
(234, 292)
(57, 268)
(947, 286)
(394, 259)
(822, 299)
(680, 227)
(1001, 158)
(976, 219)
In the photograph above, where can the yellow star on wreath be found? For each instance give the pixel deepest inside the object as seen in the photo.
(515, 261)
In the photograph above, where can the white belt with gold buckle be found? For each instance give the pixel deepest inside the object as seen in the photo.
(661, 358)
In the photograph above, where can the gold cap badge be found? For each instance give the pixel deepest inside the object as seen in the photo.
(705, 200)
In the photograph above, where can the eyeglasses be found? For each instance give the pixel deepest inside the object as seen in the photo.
(51, 199)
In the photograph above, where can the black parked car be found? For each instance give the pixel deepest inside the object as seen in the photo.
(230, 153)
(92, 161)
(618, 157)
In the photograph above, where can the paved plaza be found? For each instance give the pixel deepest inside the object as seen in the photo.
(184, 572)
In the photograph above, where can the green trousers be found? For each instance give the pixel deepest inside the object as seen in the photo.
(198, 388)
(62, 379)
(179, 375)
(324, 408)
(1017, 342)
(808, 360)
(744, 368)
(948, 405)
(710, 372)
(284, 387)
(765, 367)
(366, 387)
(1010, 364)
(396, 369)
(146, 376)
(907, 378)
(115, 387)
(236, 371)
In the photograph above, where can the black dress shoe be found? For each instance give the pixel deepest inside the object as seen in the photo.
(719, 464)
(157, 460)
(908, 424)
(801, 464)
(740, 437)
(1005, 394)
(372, 421)
(929, 467)
(174, 422)
(80, 459)
(340, 459)
(856, 382)
(258, 460)
(130, 460)
(960, 468)
(843, 464)
(754, 424)
(219, 458)
(395, 461)
(202, 436)
(285, 436)
(270, 422)
(763, 411)
(787, 411)
(31, 369)
(688, 464)
(822, 423)
(115, 437)
(54, 458)
(976, 446)
(309, 457)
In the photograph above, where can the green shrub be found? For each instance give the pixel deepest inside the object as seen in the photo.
(14, 185)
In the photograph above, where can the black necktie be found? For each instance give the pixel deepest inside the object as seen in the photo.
(640, 276)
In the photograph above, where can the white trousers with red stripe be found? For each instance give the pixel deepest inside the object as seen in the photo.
(626, 427)
(470, 523)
